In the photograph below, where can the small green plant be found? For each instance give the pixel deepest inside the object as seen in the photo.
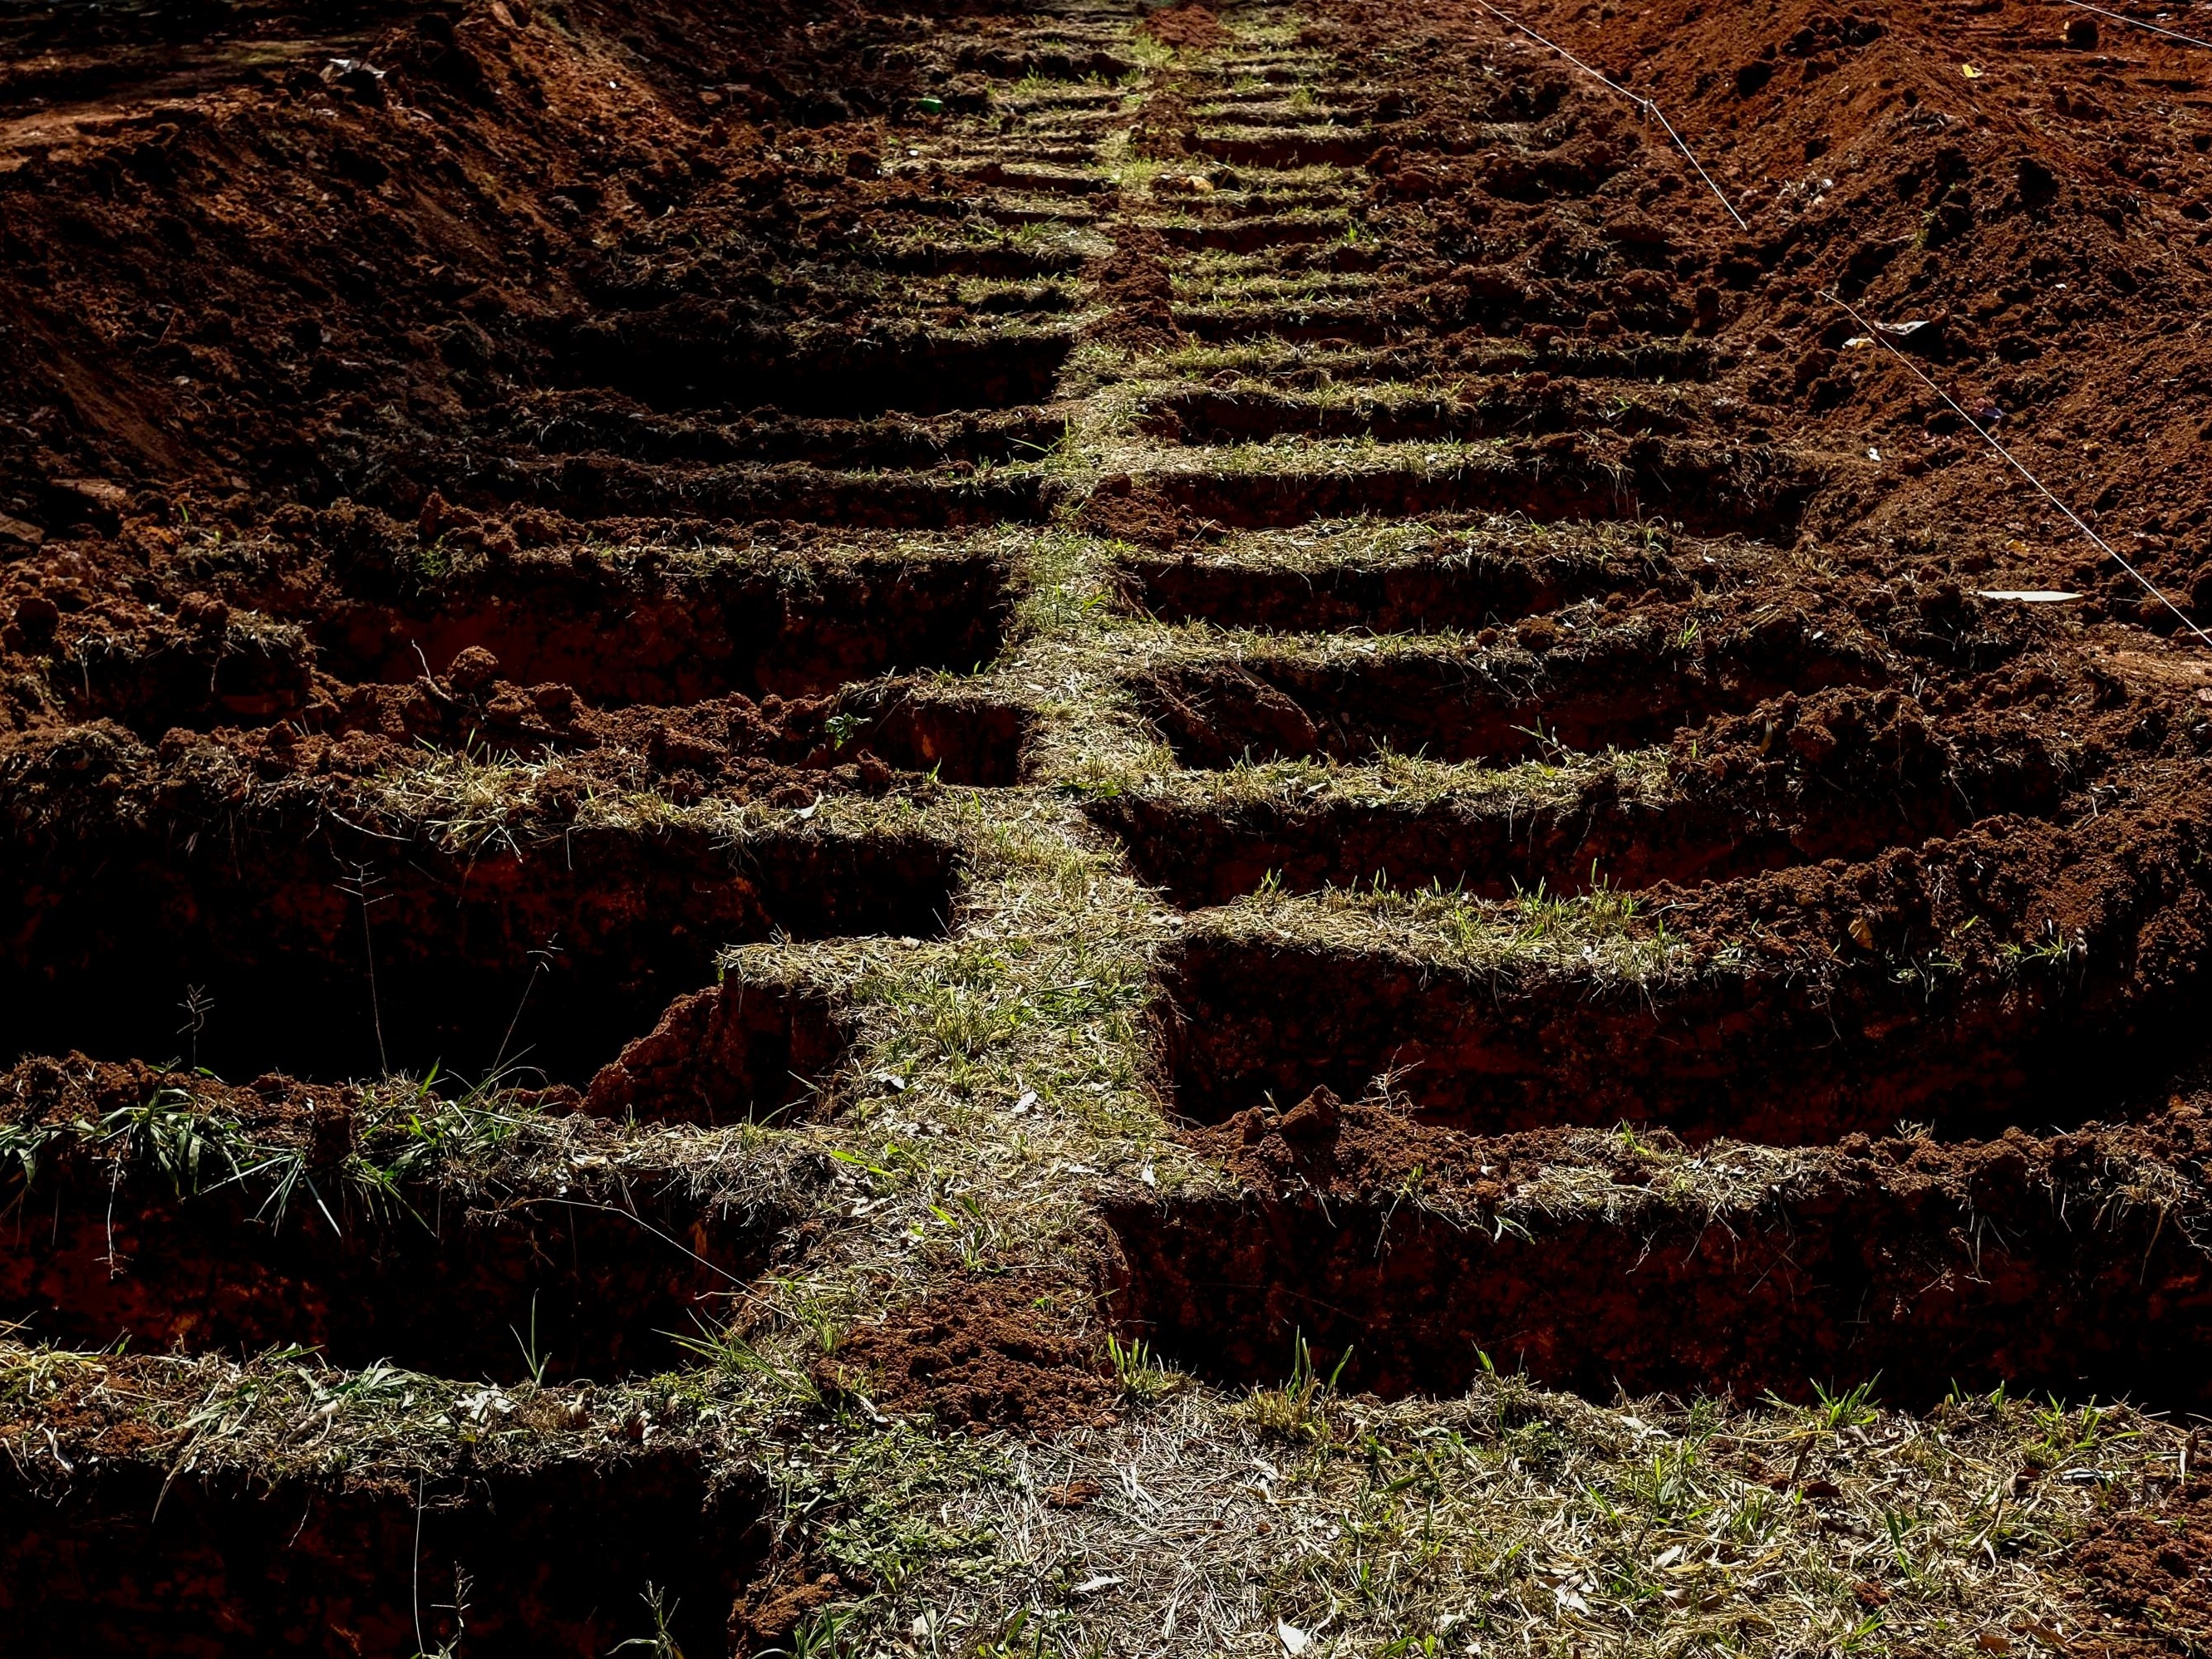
(1138, 1370)
(1851, 1409)
(662, 1644)
(532, 1357)
(167, 1133)
(1298, 1409)
(816, 1637)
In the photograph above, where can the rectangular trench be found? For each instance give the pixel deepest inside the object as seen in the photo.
(1911, 1289)
(668, 634)
(1697, 486)
(1499, 706)
(1443, 591)
(131, 1560)
(328, 956)
(696, 355)
(1204, 853)
(1758, 1057)
(596, 1281)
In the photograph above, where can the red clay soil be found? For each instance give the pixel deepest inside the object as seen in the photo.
(1192, 25)
(2041, 218)
(409, 215)
(1365, 1151)
(2149, 1568)
(977, 1354)
(766, 1616)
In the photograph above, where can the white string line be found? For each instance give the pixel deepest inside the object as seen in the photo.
(1875, 334)
(1635, 98)
(2137, 23)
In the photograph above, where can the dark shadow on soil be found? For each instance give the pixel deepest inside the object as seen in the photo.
(135, 1560)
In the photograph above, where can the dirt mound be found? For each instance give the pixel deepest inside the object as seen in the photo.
(2151, 1568)
(1966, 180)
(979, 1356)
(1190, 25)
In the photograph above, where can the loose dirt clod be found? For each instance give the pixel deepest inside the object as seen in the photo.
(1103, 828)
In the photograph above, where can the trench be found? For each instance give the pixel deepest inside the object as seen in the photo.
(677, 638)
(1443, 591)
(1758, 1057)
(564, 1282)
(134, 1559)
(327, 958)
(1203, 855)
(1287, 149)
(1205, 415)
(698, 355)
(1314, 324)
(1621, 693)
(735, 1053)
(580, 424)
(686, 636)
(1851, 1283)
(600, 486)
(1700, 488)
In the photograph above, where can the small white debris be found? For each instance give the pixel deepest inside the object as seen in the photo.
(1092, 1586)
(1029, 1098)
(2026, 595)
(1294, 1640)
(1147, 1176)
(485, 1403)
(1874, 454)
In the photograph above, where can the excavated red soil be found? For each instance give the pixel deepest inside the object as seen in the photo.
(2151, 1567)
(977, 1355)
(1185, 26)
(2036, 216)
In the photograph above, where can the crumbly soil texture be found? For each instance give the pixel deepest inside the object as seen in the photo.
(1101, 829)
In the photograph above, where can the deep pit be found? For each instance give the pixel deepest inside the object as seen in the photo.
(136, 1559)
(1847, 1284)
(277, 951)
(551, 1286)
